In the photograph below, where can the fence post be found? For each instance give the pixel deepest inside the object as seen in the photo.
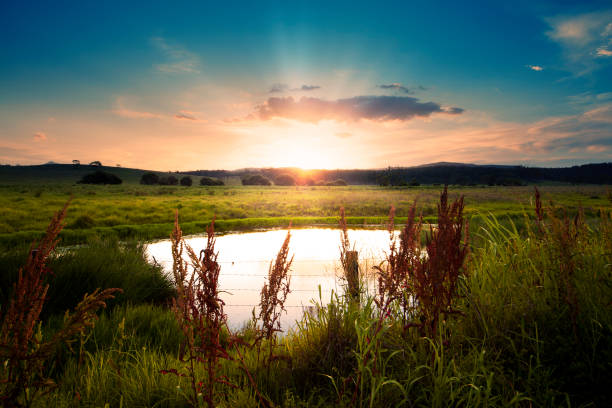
(352, 274)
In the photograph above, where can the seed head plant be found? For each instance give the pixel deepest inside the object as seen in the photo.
(23, 351)
(198, 308)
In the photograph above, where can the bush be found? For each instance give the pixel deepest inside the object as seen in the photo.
(100, 177)
(149, 179)
(338, 182)
(168, 181)
(208, 181)
(284, 180)
(100, 264)
(186, 181)
(256, 180)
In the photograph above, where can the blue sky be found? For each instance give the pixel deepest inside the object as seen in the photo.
(313, 84)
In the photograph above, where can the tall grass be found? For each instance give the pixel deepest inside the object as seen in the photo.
(535, 329)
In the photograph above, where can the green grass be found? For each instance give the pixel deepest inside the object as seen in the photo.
(147, 212)
(519, 340)
(100, 264)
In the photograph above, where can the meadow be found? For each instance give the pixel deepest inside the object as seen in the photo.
(519, 315)
(133, 211)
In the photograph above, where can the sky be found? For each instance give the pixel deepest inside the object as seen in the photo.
(226, 85)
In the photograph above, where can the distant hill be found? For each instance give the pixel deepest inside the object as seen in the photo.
(434, 173)
(442, 173)
(67, 173)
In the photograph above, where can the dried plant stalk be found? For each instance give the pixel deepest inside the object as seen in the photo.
(274, 293)
(199, 309)
(435, 280)
(24, 354)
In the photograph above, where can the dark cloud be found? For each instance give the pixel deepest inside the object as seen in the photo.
(378, 108)
(276, 88)
(309, 87)
(396, 87)
(401, 88)
(185, 116)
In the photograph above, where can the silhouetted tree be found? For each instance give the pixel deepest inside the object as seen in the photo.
(149, 179)
(208, 181)
(284, 180)
(76, 164)
(96, 163)
(186, 181)
(168, 181)
(256, 180)
(100, 177)
(338, 182)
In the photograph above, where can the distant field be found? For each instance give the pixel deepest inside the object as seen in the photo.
(131, 210)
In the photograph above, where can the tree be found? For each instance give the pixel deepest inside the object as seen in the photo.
(208, 181)
(96, 163)
(186, 181)
(76, 164)
(100, 177)
(338, 182)
(168, 181)
(149, 179)
(256, 180)
(284, 180)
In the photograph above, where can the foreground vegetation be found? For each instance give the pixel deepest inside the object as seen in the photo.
(523, 320)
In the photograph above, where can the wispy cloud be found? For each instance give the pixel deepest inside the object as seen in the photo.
(188, 115)
(584, 39)
(396, 87)
(535, 68)
(40, 136)
(179, 60)
(343, 135)
(309, 87)
(375, 108)
(604, 52)
(279, 88)
(120, 109)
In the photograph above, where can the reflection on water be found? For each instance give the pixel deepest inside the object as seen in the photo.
(245, 259)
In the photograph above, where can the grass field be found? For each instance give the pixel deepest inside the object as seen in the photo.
(531, 323)
(133, 211)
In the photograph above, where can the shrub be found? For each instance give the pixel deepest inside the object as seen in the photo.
(186, 181)
(338, 182)
(284, 180)
(100, 177)
(208, 181)
(168, 181)
(149, 179)
(83, 222)
(256, 180)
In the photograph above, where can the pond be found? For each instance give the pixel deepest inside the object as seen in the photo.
(245, 259)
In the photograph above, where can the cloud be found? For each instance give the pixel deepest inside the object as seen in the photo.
(376, 108)
(276, 88)
(603, 52)
(535, 67)
(309, 87)
(121, 110)
(188, 115)
(343, 135)
(397, 87)
(179, 60)
(40, 136)
(590, 131)
(584, 39)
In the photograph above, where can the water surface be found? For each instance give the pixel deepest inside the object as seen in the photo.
(245, 259)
